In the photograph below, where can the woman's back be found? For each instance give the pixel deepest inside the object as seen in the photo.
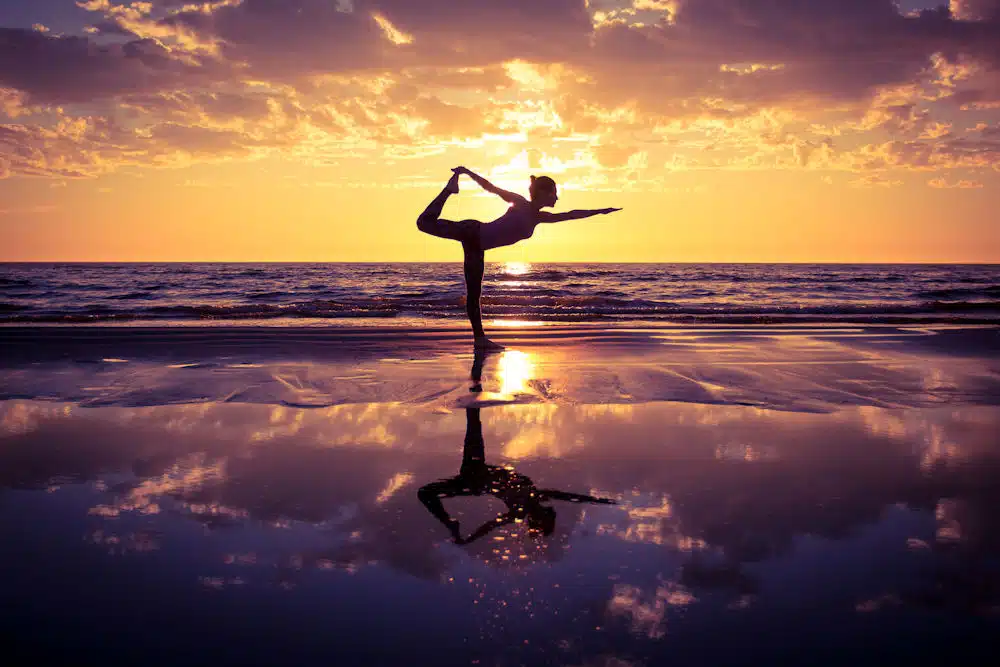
(516, 224)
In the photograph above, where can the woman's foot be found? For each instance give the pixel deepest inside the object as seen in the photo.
(484, 344)
(452, 186)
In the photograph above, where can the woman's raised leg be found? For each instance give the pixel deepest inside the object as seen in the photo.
(427, 221)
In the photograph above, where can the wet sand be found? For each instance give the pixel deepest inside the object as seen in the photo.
(249, 497)
(814, 369)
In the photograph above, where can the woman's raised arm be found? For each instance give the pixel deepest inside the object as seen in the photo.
(507, 196)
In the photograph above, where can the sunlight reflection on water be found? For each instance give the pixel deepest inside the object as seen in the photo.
(515, 370)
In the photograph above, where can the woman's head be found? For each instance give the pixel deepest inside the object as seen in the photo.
(543, 191)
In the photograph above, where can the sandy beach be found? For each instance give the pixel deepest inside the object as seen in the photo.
(260, 485)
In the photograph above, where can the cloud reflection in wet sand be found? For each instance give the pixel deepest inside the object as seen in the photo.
(714, 503)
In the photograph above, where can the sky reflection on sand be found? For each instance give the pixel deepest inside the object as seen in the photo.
(727, 517)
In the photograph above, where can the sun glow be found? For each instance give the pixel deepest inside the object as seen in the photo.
(516, 268)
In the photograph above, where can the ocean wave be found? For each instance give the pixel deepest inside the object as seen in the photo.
(15, 282)
(273, 295)
(569, 307)
(133, 296)
(964, 306)
(317, 309)
(12, 307)
(959, 293)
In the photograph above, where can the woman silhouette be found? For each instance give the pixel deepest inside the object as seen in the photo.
(517, 224)
(525, 502)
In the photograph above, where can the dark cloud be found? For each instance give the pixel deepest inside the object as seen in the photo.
(289, 38)
(477, 32)
(299, 37)
(840, 51)
(834, 49)
(65, 69)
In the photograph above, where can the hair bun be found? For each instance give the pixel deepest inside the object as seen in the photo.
(533, 179)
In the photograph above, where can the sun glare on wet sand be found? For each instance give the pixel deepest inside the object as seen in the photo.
(515, 369)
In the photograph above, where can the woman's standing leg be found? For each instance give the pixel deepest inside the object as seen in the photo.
(475, 267)
(474, 451)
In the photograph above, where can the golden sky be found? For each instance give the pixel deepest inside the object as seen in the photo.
(317, 130)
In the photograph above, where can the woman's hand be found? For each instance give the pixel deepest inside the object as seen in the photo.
(461, 171)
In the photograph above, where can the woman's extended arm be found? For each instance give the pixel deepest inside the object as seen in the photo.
(545, 216)
(553, 494)
(507, 196)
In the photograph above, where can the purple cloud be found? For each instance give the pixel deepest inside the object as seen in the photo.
(65, 69)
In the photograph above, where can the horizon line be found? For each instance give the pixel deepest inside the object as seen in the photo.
(359, 262)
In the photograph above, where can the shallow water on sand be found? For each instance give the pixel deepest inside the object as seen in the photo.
(252, 534)
(818, 369)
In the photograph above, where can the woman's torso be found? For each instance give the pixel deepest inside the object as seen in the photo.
(516, 224)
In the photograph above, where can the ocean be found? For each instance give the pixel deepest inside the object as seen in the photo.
(416, 293)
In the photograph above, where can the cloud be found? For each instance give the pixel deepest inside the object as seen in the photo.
(182, 130)
(874, 180)
(613, 155)
(941, 183)
(451, 120)
(66, 69)
(777, 52)
(975, 10)
(691, 83)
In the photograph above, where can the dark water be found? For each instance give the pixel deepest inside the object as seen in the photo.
(257, 535)
(557, 292)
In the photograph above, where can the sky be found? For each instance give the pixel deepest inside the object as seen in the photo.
(317, 130)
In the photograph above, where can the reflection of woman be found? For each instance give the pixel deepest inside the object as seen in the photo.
(524, 501)
(517, 224)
